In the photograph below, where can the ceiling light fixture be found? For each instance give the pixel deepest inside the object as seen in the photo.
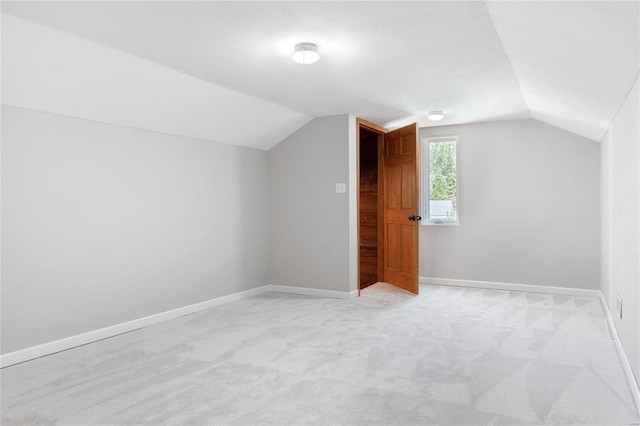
(435, 115)
(306, 53)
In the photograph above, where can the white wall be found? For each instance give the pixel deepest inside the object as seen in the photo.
(529, 208)
(103, 224)
(621, 222)
(310, 244)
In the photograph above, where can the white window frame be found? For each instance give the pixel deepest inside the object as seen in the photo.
(424, 179)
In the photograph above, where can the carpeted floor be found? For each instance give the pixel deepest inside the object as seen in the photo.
(448, 356)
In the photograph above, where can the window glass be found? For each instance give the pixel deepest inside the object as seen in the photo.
(440, 180)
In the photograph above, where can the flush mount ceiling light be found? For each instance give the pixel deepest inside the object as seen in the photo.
(435, 115)
(306, 53)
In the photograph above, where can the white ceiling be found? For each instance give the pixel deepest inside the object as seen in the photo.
(222, 70)
(47, 70)
(575, 61)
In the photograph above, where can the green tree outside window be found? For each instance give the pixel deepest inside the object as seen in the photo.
(442, 173)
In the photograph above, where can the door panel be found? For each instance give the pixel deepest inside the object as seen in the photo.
(408, 186)
(400, 201)
(394, 251)
(407, 255)
(394, 178)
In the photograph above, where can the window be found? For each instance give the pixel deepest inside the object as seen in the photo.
(440, 180)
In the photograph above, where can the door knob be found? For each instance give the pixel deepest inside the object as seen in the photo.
(412, 218)
(418, 217)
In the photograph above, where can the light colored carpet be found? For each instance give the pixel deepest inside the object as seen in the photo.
(448, 356)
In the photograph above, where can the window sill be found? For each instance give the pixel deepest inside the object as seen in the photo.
(427, 223)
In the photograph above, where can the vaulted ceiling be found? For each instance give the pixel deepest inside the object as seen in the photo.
(222, 71)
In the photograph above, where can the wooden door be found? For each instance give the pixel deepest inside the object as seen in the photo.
(400, 200)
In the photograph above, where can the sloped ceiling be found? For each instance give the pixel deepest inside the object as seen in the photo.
(47, 70)
(222, 71)
(575, 61)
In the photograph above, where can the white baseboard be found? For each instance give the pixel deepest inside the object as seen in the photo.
(333, 294)
(565, 291)
(49, 348)
(529, 288)
(631, 378)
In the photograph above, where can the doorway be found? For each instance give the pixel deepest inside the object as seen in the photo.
(387, 205)
(369, 207)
